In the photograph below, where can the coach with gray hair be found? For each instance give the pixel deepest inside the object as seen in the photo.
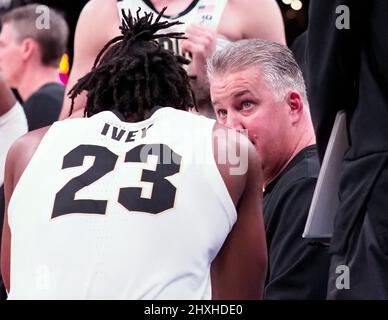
(257, 87)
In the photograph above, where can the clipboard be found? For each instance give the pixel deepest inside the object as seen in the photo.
(325, 202)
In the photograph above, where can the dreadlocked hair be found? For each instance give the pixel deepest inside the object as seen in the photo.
(136, 73)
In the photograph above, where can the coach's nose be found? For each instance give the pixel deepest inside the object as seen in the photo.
(233, 121)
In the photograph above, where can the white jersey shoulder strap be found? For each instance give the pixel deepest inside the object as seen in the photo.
(205, 12)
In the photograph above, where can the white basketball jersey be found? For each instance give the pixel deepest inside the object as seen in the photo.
(108, 209)
(203, 12)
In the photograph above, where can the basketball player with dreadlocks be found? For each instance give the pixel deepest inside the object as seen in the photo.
(137, 200)
(208, 24)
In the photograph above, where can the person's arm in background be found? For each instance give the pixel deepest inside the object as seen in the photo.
(12, 124)
(6, 232)
(18, 158)
(3, 293)
(262, 19)
(7, 99)
(332, 63)
(98, 23)
(253, 18)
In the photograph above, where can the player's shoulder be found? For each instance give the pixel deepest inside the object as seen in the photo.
(21, 152)
(236, 159)
(231, 139)
(26, 145)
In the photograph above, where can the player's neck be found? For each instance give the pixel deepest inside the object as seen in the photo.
(174, 7)
(34, 78)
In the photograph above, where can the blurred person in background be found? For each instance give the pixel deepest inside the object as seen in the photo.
(13, 124)
(347, 69)
(29, 60)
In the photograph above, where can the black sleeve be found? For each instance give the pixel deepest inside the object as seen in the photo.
(297, 269)
(3, 294)
(332, 64)
(41, 111)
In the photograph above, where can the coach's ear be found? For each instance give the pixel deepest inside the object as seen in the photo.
(29, 48)
(296, 107)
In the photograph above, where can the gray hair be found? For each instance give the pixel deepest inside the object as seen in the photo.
(275, 61)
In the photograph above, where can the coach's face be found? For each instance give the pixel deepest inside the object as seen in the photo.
(244, 101)
(11, 55)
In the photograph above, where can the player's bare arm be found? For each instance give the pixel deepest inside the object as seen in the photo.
(238, 271)
(7, 99)
(241, 19)
(18, 158)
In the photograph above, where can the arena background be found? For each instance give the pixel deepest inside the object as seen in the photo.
(295, 20)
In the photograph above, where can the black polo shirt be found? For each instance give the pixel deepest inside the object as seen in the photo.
(298, 269)
(43, 107)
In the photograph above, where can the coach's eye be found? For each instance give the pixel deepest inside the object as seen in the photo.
(246, 104)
